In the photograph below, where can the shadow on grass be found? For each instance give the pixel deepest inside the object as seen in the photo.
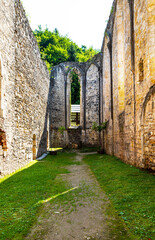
(20, 193)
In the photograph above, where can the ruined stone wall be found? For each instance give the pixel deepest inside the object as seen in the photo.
(92, 96)
(24, 89)
(69, 138)
(107, 97)
(130, 33)
(117, 87)
(145, 82)
(7, 73)
(89, 77)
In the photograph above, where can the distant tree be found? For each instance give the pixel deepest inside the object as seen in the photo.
(55, 48)
(75, 88)
(72, 53)
(56, 31)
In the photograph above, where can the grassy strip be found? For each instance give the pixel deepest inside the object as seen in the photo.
(131, 190)
(22, 194)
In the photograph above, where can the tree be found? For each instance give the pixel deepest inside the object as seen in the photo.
(72, 53)
(55, 48)
(75, 88)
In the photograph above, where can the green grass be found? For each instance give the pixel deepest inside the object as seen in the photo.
(23, 193)
(131, 190)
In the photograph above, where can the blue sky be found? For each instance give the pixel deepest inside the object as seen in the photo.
(84, 21)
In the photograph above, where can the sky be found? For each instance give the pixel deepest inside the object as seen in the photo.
(84, 21)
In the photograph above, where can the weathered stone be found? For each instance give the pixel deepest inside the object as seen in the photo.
(130, 82)
(24, 89)
(117, 87)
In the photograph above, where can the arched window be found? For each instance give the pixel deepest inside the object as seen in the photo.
(74, 98)
(147, 127)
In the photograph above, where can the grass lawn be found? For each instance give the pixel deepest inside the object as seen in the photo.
(131, 190)
(22, 194)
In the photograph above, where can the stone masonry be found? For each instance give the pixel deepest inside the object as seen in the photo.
(90, 78)
(117, 87)
(129, 82)
(24, 83)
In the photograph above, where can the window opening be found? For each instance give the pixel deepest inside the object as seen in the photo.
(141, 70)
(75, 99)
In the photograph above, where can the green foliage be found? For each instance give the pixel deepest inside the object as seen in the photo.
(72, 53)
(75, 89)
(61, 129)
(131, 191)
(55, 48)
(99, 128)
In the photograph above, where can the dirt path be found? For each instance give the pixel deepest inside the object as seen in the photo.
(85, 219)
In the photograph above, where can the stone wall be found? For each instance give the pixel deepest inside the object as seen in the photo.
(58, 94)
(117, 87)
(90, 107)
(128, 82)
(24, 90)
(92, 96)
(69, 138)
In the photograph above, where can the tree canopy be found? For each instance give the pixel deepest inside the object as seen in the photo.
(55, 48)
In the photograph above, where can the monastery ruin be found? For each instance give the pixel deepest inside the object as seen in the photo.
(117, 87)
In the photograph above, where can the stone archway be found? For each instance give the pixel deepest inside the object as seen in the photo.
(148, 130)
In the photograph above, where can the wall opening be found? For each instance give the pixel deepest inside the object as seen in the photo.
(3, 140)
(74, 98)
(34, 149)
(141, 70)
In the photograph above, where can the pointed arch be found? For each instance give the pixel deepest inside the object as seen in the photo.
(147, 129)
